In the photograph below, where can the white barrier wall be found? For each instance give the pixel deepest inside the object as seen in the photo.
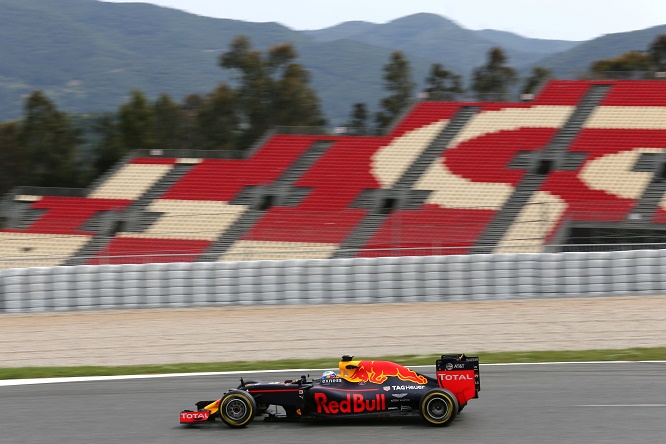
(386, 279)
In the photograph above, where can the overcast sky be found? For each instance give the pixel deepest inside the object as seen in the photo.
(550, 19)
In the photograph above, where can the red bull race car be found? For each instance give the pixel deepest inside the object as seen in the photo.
(361, 388)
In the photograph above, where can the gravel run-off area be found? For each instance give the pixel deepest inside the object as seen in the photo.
(213, 334)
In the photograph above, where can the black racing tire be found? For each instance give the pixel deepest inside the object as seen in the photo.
(261, 408)
(237, 408)
(439, 407)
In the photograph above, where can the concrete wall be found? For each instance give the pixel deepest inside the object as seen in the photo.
(386, 279)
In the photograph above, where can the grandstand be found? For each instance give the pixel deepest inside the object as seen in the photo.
(447, 178)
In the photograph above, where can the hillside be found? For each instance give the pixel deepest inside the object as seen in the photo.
(439, 39)
(577, 59)
(88, 55)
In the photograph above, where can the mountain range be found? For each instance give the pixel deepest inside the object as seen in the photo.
(87, 55)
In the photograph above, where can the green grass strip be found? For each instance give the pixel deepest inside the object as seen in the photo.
(632, 354)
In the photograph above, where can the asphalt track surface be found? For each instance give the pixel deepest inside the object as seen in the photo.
(557, 403)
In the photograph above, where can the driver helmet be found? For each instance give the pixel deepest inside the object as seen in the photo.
(328, 374)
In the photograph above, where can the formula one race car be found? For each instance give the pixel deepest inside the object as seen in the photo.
(362, 388)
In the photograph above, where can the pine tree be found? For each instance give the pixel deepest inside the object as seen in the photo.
(398, 82)
(442, 84)
(11, 167)
(49, 144)
(136, 122)
(217, 119)
(272, 89)
(358, 123)
(493, 81)
(538, 75)
(657, 51)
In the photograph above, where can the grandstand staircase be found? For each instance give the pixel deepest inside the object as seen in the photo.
(401, 193)
(436, 148)
(134, 219)
(21, 216)
(137, 218)
(648, 203)
(283, 189)
(555, 153)
(583, 110)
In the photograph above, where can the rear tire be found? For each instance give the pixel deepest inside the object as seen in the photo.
(439, 407)
(237, 408)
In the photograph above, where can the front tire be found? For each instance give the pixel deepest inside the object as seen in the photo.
(237, 408)
(439, 407)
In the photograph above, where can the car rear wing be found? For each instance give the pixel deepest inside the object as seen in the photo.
(460, 375)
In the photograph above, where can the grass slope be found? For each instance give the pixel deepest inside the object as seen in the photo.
(633, 354)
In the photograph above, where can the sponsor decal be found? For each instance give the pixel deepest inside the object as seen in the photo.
(355, 403)
(331, 380)
(399, 395)
(408, 387)
(379, 371)
(445, 377)
(450, 366)
(194, 416)
(387, 388)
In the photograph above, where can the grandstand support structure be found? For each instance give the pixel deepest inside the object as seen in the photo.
(555, 154)
(401, 194)
(283, 188)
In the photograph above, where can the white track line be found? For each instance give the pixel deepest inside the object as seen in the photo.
(298, 371)
(622, 405)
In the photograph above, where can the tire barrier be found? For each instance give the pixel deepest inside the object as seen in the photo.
(334, 281)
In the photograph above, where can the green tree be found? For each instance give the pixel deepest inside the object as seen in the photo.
(170, 130)
(538, 75)
(442, 84)
(294, 103)
(657, 51)
(11, 166)
(49, 143)
(625, 66)
(132, 127)
(110, 148)
(136, 120)
(633, 64)
(272, 89)
(398, 82)
(493, 80)
(217, 119)
(358, 121)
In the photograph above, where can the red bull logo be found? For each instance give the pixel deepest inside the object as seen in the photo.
(355, 403)
(378, 372)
